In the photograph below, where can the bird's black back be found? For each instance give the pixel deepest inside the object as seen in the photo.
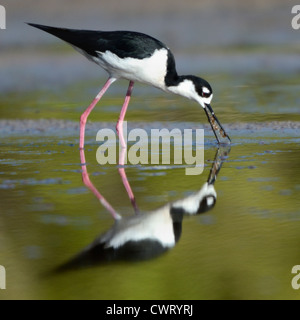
(122, 43)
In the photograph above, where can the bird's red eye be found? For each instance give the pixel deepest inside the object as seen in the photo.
(205, 94)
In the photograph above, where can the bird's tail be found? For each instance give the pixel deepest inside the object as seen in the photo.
(62, 33)
(80, 39)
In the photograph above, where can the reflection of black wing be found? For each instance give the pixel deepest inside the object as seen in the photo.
(99, 254)
(136, 238)
(122, 43)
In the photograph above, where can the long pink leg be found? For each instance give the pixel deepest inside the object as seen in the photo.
(86, 180)
(86, 113)
(123, 148)
(119, 126)
(125, 180)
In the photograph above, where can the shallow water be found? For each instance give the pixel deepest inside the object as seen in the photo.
(243, 248)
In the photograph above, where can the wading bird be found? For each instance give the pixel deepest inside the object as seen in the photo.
(136, 57)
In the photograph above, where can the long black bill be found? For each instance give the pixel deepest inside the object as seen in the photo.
(221, 136)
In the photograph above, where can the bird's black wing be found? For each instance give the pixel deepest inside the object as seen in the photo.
(122, 43)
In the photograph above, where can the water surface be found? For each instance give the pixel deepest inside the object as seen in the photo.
(244, 248)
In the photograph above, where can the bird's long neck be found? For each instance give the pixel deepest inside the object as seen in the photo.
(171, 78)
(183, 86)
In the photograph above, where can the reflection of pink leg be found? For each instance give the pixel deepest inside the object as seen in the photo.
(86, 113)
(119, 126)
(86, 180)
(125, 180)
(123, 149)
(123, 144)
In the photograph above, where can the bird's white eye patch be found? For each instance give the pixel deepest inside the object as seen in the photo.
(210, 201)
(205, 92)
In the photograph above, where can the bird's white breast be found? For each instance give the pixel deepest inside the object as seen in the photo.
(151, 70)
(156, 225)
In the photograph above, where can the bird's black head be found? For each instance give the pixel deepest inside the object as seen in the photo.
(203, 89)
(193, 88)
(207, 203)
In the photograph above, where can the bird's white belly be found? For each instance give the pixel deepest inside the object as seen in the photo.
(150, 70)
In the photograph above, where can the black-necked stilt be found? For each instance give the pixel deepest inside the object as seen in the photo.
(136, 57)
(145, 235)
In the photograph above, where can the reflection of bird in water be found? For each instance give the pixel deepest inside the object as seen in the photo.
(149, 234)
(136, 57)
